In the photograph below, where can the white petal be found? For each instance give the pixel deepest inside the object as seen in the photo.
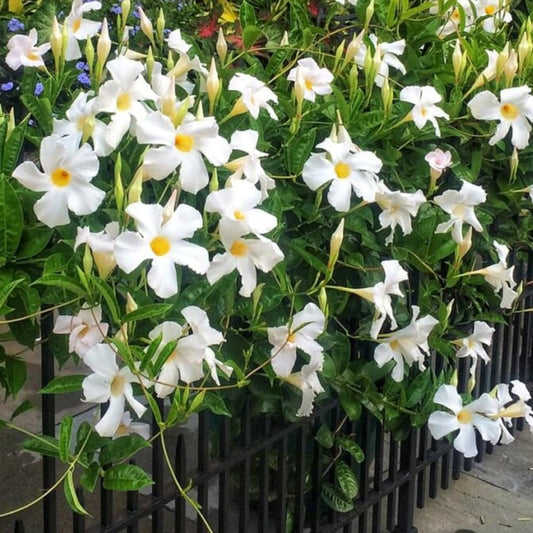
(101, 360)
(191, 255)
(96, 389)
(162, 277)
(109, 423)
(52, 209)
(448, 396)
(317, 171)
(31, 177)
(441, 424)
(130, 251)
(221, 265)
(339, 194)
(485, 106)
(465, 442)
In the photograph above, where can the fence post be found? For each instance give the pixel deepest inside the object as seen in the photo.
(406, 498)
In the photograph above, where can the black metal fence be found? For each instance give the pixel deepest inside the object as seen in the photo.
(254, 474)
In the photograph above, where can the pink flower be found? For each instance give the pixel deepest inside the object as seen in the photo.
(439, 160)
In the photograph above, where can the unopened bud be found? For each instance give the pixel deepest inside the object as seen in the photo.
(170, 206)
(353, 79)
(146, 24)
(335, 244)
(299, 86)
(119, 188)
(212, 85)
(87, 261)
(339, 54)
(136, 186)
(503, 56)
(465, 245)
(387, 95)
(150, 61)
(105, 263)
(285, 39)
(122, 333)
(56, 42)
(369, 13)
(513, 164)
(524, 51)
(170, 61)
(454, 380)
(221, 46)
(457, 57)
(213, 182)
(515, 410)
(354, 46)
(125, 8)
(103, 46)
(89, 53)
(510, 68)
(131, 304)
(471, 384)
(160, 26)
(88, 128)
(323, 301)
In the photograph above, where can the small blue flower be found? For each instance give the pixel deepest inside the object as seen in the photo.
(81, 65)
(167, 31)
(84, 78)
(134, 30)
(116, 9)
(39, 88)
(14, 25)
(6, 87)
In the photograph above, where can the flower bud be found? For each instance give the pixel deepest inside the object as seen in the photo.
(131, 304)
(299, 86)
(323, 301)
(354, 46)
(146, 24)
(339, 53)
(369, 13)
(170, 206)
(285, 39)
(170, 61)
(454, 380)
(105, 263)
(465, 245)
(510, 68)
(387, 95)
(353, 79)
(15, 6)
(150, 61)
(89, 53)
(103, 47)
(471, 384)
(515, 410)
(457, 60)
(503, 56)
(119, 188)
(56, 43)
(160, 27)
(122, 333)
(513, 164)
(125, 8)
(213, 182)
(136, 186)
(524, 51)
(335, 244)
(87, 261)
(212, 85)
(221, 46)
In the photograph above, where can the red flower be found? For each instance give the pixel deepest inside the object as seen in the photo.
(208, 28)
(313, 7)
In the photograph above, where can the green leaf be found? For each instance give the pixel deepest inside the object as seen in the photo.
(334, 498)
(350, 404)
(150, 352)
(33, 241)
(250, 34)
(164, 354)
(16, 374)
(11, 220)
(41, 109)
(350, 446)
(126, 477)
(298, 151)
(215, 404)
(122, 448)
(64, 384)
(247, 15)
(197, 402)
(148, 311)
(24, 406)
(325, 437)
(346, 480)
(109, 297)
(90, 476)
(42, 444)
(64, 282)
(417, 389)
(299, 247)
(7, 289)
(12, 148)
(65, 433)
(71, 496)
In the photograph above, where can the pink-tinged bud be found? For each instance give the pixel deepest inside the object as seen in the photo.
(212, 85)
(56, 42)
(354, 46)
(335, 244)
(146, 24)
(103, 46)
(170, 206)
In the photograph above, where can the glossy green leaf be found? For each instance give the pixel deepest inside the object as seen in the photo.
(350, 446)
(126, 477)
(334, 498)
(346, 480)
(147, 311)
(11, 220)
(64, 384)
(65, 434)
(122, 448)
(71, 496)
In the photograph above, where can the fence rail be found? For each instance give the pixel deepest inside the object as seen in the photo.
(266, 476)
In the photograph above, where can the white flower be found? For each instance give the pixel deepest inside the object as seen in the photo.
(101, 244)
(177, 43)
(82, 123)
(452, 17)
(424, 100)
(183, 146)
(185, 363)
(514, 111)
(380, 295)
(388, 53)
(199, 322)
(24, 52)
(255, 95)
(85, 329)
(109, 383)
(163, 242)
(493, 13)
(249, 166)
(122, 96)
(409, 344)
(345, 170)
(238, 203)
(165, 88)
(397, 209)
(501, 277)
(317, 80)
(65, 180)
(307, 381)
(465, 419)
(439, 160)
(245, 255)
(473, 344)
(301, 333)
(460, 206)
(127, 427)
(78, 28)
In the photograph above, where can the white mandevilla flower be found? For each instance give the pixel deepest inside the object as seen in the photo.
(127, 427)
(123, 97)
(183, 146)
(439, 160)
(255, 95)
(424, 100)
(409, 345)
(464, 418)
(316, 80)
(163, 242)
(301, 333)
(307, 381)
(493, 13)
(238, 203)
(245, 255)
(460, 206)
(82, 124)
(109, 384)
(344, 169)
(473, 344)
(65, 180)
(101, 244)
(23, 51)
(397, 209)
(452, 17)
(78, 28)
(514, 110)
(249, 166)
(85, 329)
(501, 277)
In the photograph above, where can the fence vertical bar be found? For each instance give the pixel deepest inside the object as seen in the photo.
(421, 481)
(393, 474)
(223, 480)
(245, 473)
(364, 476)
(132, 504)
(78, 520)
(406, 498)
(180, 468)
(299, 508)
(378, 478)
(316, 477)
(158, 470)
(281, 511)
(48, 424)
(203, 465)
(264, 480)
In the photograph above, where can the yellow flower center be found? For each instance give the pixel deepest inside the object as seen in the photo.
(291, 338)
(84, 331)
(456, 15)
(123, 101)
(60, 177)
(184, 143)
(33, 57)
(490, 10)
(238, 215)
(122, 431)
(509, 111)
(464, 416)
(160, 245)
(308, 85)
(76, 25)
(394, 345)
(342, 170)
(239, 248)
(423, 112)
(117, 385)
